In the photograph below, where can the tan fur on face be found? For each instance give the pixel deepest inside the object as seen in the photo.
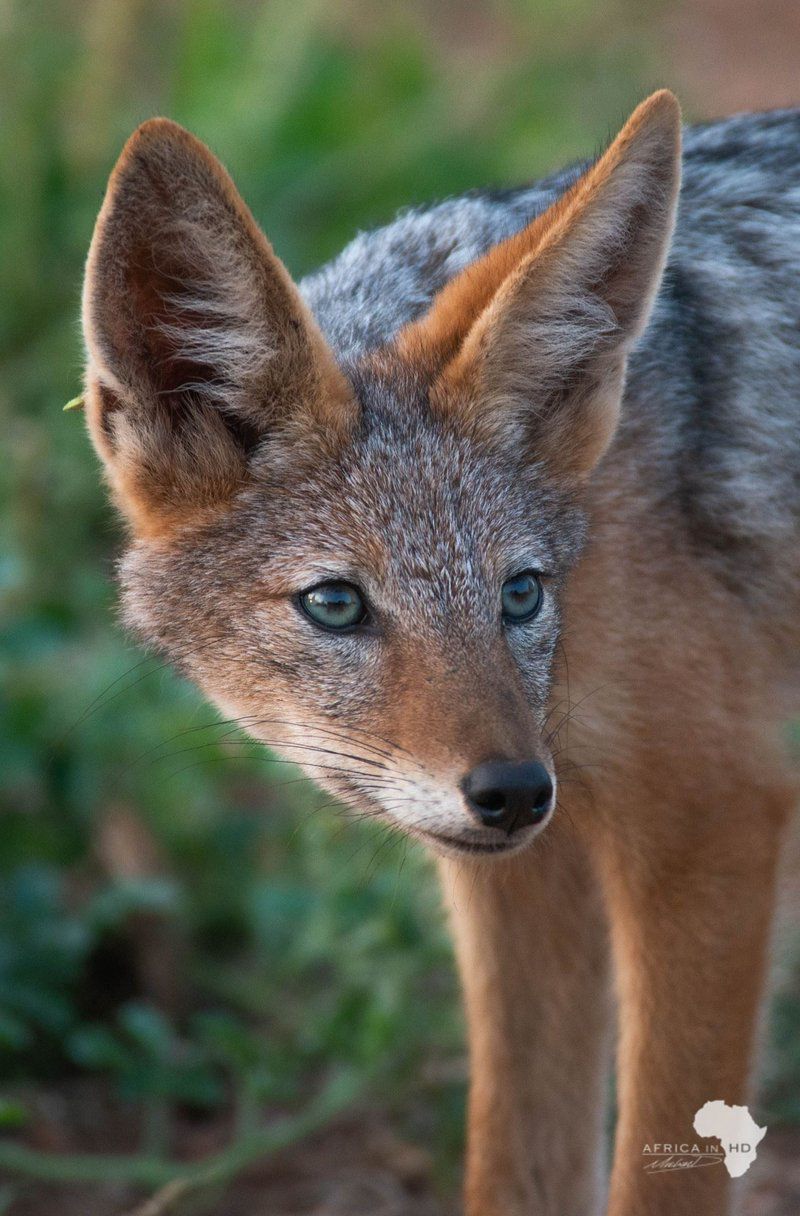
(198, 340)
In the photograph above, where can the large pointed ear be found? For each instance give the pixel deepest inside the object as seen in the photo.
(534, 336)
(198, 341)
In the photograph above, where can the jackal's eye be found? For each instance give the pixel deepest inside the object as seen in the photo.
(334, 605)
(522, 596)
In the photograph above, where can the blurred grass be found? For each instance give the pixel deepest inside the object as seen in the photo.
(300, 946)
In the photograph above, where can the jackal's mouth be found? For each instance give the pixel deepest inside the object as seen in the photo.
(456, 844)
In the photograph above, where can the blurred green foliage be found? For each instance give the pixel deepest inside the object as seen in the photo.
(300, 945)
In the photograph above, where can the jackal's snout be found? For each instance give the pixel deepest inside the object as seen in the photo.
(508, 795)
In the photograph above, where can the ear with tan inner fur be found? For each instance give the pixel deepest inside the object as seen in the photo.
(534, 336)
(198, 341)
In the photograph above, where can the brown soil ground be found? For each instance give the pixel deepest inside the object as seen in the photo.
(357, 1166)
(360, 1167)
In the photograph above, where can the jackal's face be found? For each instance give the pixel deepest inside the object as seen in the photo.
(363, 563)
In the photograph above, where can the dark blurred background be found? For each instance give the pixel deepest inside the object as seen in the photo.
(198, 959)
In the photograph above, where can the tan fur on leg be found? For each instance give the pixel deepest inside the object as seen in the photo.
(531, 942)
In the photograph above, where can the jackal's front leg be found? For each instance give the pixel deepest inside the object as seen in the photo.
(530, 939)
(691, 907)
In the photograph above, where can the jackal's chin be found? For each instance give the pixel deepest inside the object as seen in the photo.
(462, 846)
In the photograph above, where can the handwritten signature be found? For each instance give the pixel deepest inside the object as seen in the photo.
(664, 1162)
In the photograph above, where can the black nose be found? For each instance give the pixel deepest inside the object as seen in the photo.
(509, 794)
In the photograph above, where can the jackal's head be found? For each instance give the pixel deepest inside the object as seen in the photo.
(363, 561)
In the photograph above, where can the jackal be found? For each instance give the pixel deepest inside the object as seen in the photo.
(501, 502)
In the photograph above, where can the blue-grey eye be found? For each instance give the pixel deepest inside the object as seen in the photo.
(334, 605)
(522, 596)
